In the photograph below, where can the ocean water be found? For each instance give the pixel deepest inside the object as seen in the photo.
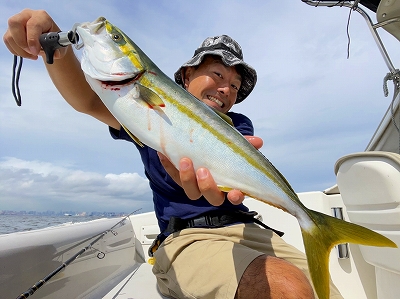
(18, 223)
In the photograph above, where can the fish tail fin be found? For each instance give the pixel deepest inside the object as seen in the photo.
(323, 235)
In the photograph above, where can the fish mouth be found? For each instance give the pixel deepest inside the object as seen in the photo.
(87, 29)
(97, 24)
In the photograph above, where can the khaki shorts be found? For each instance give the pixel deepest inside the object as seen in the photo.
(208, 263)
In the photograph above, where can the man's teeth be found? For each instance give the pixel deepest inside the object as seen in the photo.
(215, 100)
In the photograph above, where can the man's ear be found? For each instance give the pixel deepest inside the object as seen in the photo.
(186, 74)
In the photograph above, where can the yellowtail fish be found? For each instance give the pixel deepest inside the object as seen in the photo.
(159, 113)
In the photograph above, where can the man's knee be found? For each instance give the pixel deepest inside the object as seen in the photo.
(271, 277)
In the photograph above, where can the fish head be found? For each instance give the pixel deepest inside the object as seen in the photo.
(107, 54)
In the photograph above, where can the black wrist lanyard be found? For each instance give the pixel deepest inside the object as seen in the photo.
(17, 66)
(50, 42)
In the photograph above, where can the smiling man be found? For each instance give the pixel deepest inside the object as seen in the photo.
(214, 83)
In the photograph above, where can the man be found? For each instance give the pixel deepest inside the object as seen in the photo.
(242, 259)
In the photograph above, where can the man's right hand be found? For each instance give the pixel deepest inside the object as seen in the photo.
(22, 39)
(24, 30)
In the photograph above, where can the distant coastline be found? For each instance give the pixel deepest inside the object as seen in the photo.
(63, 213)
(20, 222)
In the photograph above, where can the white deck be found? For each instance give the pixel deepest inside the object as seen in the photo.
(140, 284)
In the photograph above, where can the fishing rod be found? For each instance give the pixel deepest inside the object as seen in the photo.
(100, 256)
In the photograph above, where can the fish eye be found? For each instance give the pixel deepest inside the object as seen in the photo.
(116, 37)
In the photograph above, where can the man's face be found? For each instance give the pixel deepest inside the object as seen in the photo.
(213, 83)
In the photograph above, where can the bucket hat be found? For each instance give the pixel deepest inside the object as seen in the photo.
(231, 54)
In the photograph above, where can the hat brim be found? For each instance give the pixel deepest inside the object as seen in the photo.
(249, 75)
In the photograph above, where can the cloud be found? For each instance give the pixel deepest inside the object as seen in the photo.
(45, 186)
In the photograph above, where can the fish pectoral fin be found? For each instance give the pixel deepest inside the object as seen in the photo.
(134, 138)
(151, 98)
(224, 117)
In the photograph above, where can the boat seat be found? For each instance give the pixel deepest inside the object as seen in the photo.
(369, 183)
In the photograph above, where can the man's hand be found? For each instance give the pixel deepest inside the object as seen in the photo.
(24, 30)
(200, 182)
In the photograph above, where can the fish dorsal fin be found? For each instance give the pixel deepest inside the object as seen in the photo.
(224, 117)
(134, 138)
(151, 98)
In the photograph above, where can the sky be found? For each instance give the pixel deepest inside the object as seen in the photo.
(311, 105)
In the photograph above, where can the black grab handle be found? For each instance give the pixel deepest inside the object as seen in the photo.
(52, 41)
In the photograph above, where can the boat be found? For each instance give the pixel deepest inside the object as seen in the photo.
(108, 258)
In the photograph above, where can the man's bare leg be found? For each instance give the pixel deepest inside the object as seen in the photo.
(269, 277)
